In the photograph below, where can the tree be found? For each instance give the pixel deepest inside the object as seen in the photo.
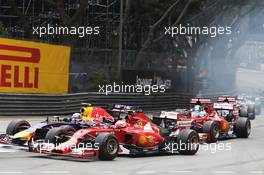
(65, 19)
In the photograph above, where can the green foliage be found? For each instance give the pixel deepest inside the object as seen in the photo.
(3, 32)
(97, 78)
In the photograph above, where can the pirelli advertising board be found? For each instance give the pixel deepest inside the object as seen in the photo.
(31, 67)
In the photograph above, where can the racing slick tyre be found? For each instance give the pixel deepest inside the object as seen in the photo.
(188, 142)
(213, 130)
(108, 146)
(242, 128)
(59, 135)
(243, 112)
(16, 126)
(251, 111)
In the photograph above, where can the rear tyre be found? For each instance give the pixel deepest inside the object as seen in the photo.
(251, 111)
(243, 112)
(188, 142)
(243, 128)
(108, 146)
(59, 135)
(213, 130)
(16, 126)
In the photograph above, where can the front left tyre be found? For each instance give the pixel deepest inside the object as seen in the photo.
(212, 128)
(108, 146)
(188, 142)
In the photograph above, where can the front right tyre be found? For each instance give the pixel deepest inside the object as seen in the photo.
(16, 126)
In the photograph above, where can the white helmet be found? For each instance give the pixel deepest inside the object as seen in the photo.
(197, 108)
(76, 115)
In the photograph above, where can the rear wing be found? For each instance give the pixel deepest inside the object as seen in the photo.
(183, 115)
(124, 108)
(224, 106)
(227, 99)
(201, 101)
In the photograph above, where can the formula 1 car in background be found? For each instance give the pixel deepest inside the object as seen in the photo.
(133, 133)
(20, 131)
(213, 120)
(251, 103)
(219, 119)
(243, 107)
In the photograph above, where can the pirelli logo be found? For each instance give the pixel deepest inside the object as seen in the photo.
(15, 75)
(33, 67)
(33, 52)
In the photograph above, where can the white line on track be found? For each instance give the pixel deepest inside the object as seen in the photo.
(256, 172)
(177, 171)
(55, 172)
(145, 172)
(222, 172)
(107, 172)
(12, 172)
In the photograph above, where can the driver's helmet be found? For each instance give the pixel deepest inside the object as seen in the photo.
(197, 108)
(202, 114)
(86, 113)
(76, 115)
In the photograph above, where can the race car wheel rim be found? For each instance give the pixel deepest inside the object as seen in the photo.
(216, 131)
(112, 146)
(194, 143)
(194, 140)
(248, 127)
(64, 137)
(21, 128)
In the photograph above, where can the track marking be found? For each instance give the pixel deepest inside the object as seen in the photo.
(176, 171)
(256, 172)
(107, 172)
(6, 148)
(55, 172)
(7, 151)
(12, 172)
(146, 172)
(222, 172)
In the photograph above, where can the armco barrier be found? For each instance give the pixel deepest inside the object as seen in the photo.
(42, 104)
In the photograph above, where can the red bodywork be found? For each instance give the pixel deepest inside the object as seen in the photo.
(141, 131)
(213, 115)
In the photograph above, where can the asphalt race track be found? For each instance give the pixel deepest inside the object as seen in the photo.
(233, 156)
(246, 156)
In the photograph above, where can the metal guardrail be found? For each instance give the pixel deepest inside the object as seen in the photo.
(42, 104)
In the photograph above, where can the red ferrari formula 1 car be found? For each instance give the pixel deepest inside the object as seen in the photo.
(241, 106)
(133, 133)
(219, 120)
